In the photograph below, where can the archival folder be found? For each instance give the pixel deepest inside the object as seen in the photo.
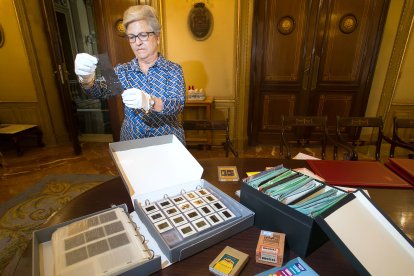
(357, 174)
(402, 167)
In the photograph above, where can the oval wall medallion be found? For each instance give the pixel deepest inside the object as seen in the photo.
(348, 23)
(1, 36)
(286, 25)
(119, 27)
(200, 21)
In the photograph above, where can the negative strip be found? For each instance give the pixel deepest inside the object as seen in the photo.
(165, 203)
(185, 206)
(172, 211)
(178, 220)
(148, 209)
(210, 198)
(214, 219)
(198, 202)
(186, 230)
(192, 215)
(202, 192)
(157, 216)
(191, 195)
(163, 225)
(201, 224)
(226, 214)
(218, 205)
(179, 199)
(206, 210)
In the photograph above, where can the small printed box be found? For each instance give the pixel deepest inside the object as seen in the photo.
(229, 262)
(270, 248)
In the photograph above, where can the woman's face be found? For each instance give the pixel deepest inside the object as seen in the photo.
(143, 50)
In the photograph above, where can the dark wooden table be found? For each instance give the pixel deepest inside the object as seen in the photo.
(398, 204)
(16, 132)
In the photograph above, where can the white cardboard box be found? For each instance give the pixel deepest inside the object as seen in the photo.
(159, 167)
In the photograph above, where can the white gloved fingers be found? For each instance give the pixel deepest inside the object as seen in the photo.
(85, 64)
(136, 98)
(132, 98)
(145, 101)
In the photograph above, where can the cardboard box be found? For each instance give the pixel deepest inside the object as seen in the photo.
(303, 234)
(42, 260)
(270, 248)
(160, 167)
(368, 238)
(230, 262)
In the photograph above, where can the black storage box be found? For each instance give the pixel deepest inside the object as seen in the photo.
(372, 243)
(303, 234)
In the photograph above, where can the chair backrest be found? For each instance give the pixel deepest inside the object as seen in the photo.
(214, 125)
(348, 131)
(397, 140)
(302, 128)
(205, 125)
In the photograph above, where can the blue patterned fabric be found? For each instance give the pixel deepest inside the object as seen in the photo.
(163, 80)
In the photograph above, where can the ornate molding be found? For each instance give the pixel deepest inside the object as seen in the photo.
(21, 9)
(159, 6)
(396, 59)
(243, 44)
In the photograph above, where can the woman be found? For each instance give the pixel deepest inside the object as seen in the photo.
(154, 86)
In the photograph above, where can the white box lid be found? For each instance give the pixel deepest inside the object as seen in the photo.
(369, 240)
(151, 164)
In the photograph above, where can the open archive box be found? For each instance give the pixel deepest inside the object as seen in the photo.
(101, 243)
(183, 213)
(310, 212)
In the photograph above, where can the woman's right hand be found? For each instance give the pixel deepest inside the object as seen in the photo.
(85, 66)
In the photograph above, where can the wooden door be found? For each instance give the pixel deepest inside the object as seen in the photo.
(58, 34)
(311, 57)
(107, 14)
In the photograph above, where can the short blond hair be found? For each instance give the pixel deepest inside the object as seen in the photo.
(142, 12)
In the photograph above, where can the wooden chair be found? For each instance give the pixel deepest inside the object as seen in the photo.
(218, 125)
(348, 130)
(302, 129)
(397, 140)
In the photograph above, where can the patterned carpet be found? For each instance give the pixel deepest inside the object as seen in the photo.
(28, 211)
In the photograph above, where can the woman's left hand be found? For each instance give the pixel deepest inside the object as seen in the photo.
(136, 98)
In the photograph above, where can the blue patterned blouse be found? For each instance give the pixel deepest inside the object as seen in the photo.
(163, 80)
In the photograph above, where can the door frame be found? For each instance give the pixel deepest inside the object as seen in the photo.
(59, 69)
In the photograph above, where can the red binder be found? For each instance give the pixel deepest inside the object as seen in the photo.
(357, 174)
(402, 167)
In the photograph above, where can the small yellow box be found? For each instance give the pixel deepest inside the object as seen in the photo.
(270, 248)
(229, 262)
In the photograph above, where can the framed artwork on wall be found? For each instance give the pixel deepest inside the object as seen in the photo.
(200, 21)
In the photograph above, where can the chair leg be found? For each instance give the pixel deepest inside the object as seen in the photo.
(229, 147)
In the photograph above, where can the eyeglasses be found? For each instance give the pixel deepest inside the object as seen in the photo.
(141, 36)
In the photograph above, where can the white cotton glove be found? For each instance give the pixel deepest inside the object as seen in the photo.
(136, 98)
(85, 66)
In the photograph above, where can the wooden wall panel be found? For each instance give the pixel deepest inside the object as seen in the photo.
(345, 51)
(334, 105)
(20, 113)
(273, 108)
(28, 113)
(289, 45)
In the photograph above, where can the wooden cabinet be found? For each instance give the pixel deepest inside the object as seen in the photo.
(198, 110)
(311, 57)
